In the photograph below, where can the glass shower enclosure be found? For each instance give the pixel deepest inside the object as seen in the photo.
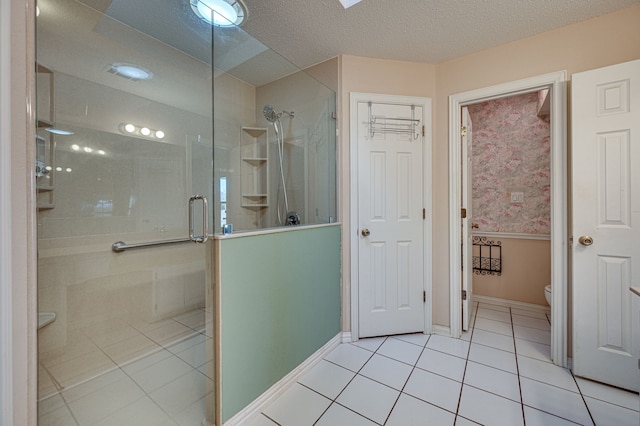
(156, 129)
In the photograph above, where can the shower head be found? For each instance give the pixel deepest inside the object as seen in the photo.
(270, 114)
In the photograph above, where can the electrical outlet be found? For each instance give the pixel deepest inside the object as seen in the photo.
(517, 197)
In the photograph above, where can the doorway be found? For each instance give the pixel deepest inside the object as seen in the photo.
(508, 200)
(555, 84)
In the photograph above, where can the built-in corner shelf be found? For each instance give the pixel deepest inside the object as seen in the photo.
(254, 167)
(45, 141)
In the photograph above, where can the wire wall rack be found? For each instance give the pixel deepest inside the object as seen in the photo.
(487, 256)
(394, 125)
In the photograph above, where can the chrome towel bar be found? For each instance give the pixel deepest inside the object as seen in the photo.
(120, 246)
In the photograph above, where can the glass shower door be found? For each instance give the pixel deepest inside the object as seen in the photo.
(124, 140)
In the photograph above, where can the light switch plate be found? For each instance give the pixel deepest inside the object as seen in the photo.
(517, 197)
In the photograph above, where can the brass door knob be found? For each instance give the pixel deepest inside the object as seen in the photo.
(585, 240)
(365, 232)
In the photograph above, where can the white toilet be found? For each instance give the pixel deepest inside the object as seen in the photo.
(547, 293)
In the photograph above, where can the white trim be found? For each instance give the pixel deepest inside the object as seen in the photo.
(354, 98)
(512, 235)
(346, 337)
(511, 303)
(280, 387)
(6, 312)
(441, 330)
(557, 83)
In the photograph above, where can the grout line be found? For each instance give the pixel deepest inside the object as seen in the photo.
(465, 365)
(515, 354)
(582, 396)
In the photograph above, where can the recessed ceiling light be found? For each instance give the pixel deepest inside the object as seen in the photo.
(130, 128)
(159, 134)
(145, 131)
(75, 147)
(221, 13)
(131, 72)
(87, 149)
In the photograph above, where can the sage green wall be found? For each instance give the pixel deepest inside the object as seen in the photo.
(280, 302)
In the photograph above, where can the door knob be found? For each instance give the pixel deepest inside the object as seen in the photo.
(365, 232)
(585, 240)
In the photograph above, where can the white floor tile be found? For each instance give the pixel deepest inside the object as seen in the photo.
(483, 305)
(494, 315)
(529, 313)
(349, 356)
(100, 404)
(466, 336)
(297, 406)
(327, 379)
(179, 394)
(410, 411)
(261, 420)
(532, 334)
(609, 394)
(494, 326)
(493, 380)
(401, 351)
(161, 373)
(554, 400)
(371, 344)
(186, 343)
(443, 364)
(525, 321)
(61, 416)
(143, 412)
(489, 409)
(498, 341)
(194, 414)
(608, 414)
(387, 371)
(416, 338)
(196, 355)
(369, 398)
(547, 373)
(535, 350)
(338, 415)
(145, 362)
(434, 389)
(50, 404)
(455, 347)
(461, 421)
(535, 417)
(493, 357)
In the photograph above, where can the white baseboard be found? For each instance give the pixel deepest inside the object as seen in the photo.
(285, 383)
(346, 337)
(441, 330)
(511, 303)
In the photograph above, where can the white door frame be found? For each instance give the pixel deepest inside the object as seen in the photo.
(556, 81)
(355, 98)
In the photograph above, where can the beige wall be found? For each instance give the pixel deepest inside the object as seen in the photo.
(369, 75)
(595, 43)
(526, 270)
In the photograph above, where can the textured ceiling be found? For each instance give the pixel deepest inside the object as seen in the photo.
(432, 31)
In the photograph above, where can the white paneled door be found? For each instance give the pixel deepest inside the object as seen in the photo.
(390, 219)
(606, 223)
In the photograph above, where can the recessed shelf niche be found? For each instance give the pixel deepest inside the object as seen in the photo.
(254, 167)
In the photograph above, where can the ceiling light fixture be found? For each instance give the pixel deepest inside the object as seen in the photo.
(134, 129)
(221, 13)
(348, 3)
(130, 72)
(58, 131)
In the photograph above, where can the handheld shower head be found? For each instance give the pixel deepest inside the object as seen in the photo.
(270, 114)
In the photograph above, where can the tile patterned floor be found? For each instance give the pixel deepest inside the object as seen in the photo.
(165, 382)
(499, 373)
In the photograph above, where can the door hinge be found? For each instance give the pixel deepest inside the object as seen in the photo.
(463, 213)
(463, 131)
(464, 294)
(424, 213)
(423, 131)
(424, 296)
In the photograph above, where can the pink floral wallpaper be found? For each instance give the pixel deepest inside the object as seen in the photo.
(511, 153)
